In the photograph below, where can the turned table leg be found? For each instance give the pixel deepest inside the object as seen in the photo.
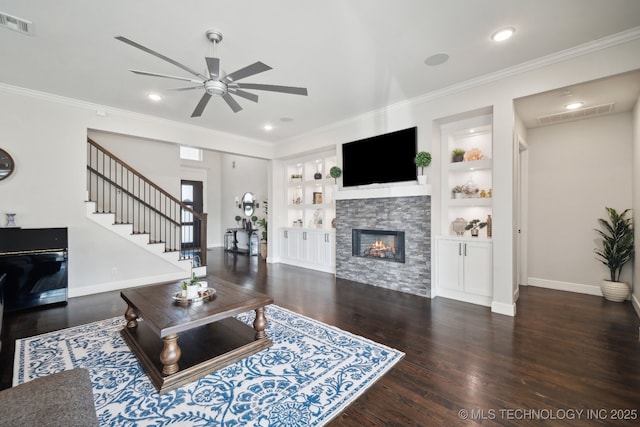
(170, 354)
(131, 317)
(260, 323)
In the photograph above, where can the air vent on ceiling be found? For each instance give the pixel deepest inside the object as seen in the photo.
(17, 24)
(583, 113)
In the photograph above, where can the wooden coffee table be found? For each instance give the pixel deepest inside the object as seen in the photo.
(177, 344)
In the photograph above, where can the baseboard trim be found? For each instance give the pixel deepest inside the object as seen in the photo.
(124, 284)
(565, 286)
(502, 308)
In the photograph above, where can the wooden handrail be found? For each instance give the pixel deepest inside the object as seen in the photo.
(144, 178)
(102, 164)
(133, 196)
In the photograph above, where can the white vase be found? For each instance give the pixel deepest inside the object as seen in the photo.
(422, 179)
(614, 291)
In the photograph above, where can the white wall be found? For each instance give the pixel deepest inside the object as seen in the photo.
(46, 136)
(497, 93)
(636, 206)
(575, 170)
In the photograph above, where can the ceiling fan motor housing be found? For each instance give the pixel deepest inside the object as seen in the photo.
(215, 87)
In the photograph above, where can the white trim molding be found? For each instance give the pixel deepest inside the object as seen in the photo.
(502, 308)
(565, 286)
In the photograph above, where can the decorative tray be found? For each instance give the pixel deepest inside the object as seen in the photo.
(203, 295)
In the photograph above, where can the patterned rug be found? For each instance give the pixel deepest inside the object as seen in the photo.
(309, 375)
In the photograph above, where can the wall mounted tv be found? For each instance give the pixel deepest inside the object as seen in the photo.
(380, 159)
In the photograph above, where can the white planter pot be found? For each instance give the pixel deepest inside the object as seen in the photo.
(192, 292)
(422, 179)
(614, 291)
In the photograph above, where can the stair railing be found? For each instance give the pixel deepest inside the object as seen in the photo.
(118, 188)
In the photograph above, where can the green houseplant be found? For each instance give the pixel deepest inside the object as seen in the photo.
(335, 173)
(615, 251)
(475, 225)
(262, 222)
(457, 155)
(422, 160)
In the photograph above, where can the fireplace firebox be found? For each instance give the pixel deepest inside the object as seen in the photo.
(387, 245)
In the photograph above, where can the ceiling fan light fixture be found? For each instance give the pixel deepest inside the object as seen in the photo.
(503, 34)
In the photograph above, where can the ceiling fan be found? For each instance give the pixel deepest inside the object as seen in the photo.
(214, 82)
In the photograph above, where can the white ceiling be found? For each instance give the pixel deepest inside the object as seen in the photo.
(354, 56)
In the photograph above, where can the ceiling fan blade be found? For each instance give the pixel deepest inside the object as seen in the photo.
(231, 103)
(273, 88)
(246, 95)
(249, 70)
(200, 107)
(161, 56)
(166, 76)
(213, 65)
(187, 88)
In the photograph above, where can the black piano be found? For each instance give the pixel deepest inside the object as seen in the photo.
(34, 264)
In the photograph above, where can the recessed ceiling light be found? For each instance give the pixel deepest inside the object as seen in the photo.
(503, 34)
(154, 97)
(437, 59)
(574, 105)
(286, 119)
(268, 127)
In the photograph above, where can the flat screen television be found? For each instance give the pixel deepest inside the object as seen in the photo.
(380, 159)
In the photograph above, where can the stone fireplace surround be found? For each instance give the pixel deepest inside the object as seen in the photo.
(411, 214)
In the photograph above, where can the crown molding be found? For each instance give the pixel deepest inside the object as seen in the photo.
(584, 49)
(103, 111)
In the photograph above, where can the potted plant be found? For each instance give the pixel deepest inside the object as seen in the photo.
(475, 225)
(457, 155)
(296, 177)
(335, 173)
(262, 222)
(456, 192)
(422, 160)
(190, 287)
(615, 252)
(238, 218)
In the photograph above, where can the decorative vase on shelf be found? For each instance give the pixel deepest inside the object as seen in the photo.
(458, 225)
(318, 174)
(474, 232)
(489, 226)
(422, 179)
(470, 189)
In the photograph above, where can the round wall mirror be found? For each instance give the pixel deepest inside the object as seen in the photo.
(248, 201)
(6, 164)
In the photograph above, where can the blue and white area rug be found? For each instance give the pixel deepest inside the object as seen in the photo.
(309, 375)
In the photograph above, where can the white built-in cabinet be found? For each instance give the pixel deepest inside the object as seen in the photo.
(308, 248)
(464, 269)
(464, 264)
(308, 239)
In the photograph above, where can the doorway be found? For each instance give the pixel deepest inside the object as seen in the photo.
(191, 196)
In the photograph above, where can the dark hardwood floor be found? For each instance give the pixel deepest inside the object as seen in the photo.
(563, 353)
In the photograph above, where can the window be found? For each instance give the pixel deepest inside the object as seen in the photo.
(190, 153)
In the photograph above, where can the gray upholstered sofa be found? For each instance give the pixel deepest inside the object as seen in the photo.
(64, 399)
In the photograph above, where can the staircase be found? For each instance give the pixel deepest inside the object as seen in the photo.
(124, 201)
